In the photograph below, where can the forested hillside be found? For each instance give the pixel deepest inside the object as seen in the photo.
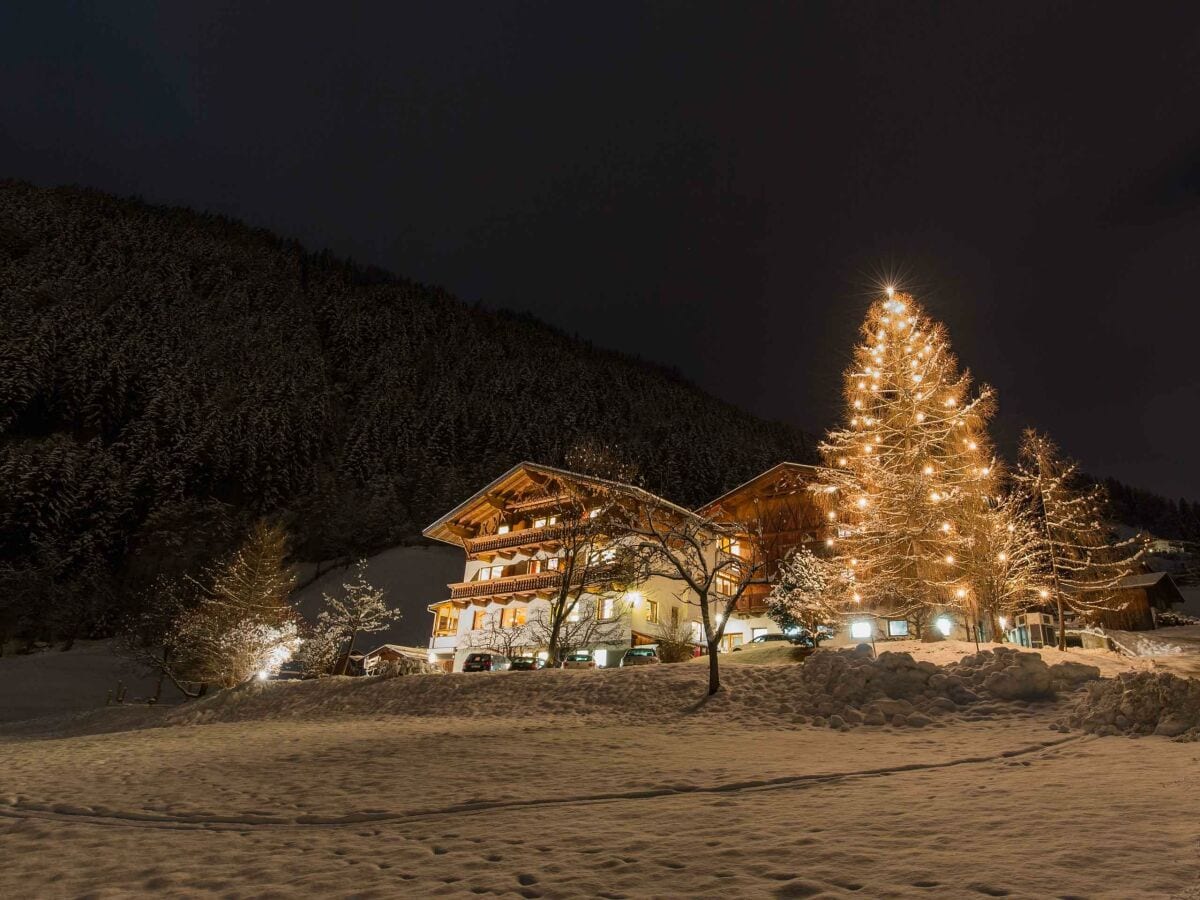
(167, 376)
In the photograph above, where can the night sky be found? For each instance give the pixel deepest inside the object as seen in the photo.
(718, 187)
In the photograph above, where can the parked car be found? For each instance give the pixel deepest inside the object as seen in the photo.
(640, 656)
(579, 659)
(526, 663)
(769, 638)
(485, 662)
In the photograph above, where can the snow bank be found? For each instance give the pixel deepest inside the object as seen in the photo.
(838, 689)
(1140, 703)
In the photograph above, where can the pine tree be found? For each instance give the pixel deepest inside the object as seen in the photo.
(911, 466)
(1083, 562)
(241, 625)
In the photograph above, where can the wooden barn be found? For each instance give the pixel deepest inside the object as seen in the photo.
(1135, 602)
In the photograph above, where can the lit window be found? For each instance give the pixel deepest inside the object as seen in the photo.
(860, 630)
(512, 617)
(539, 523)
(674, 616)
(897, 628)
(724, 585)
(729, 641)
(606, 608)
(652, 612)
(552, 564)
(730, 545)
(447, 621)
(535, 566)
(479, 619)
(553, 520)
(944, 625)
(503, 529)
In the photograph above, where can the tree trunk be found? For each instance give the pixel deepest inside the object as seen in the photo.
(552, 652)
(344, 661)
(714, 672)
(1062, 622)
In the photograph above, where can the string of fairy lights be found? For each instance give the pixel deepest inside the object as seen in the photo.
(916, 518)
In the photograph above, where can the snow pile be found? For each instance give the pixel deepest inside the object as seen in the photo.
(837, 689)
(848, 688)
(1172, 641)
(1140, 703)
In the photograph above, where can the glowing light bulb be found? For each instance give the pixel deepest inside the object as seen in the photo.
(862, 385)
(1003, 557)
(879, 333)
(828, 542)
(857, 597)
(854, 562)
(917, 377)
(867, 448)
(920, 417)
(862, 502)
(841, 460)
(858, 404)
(949, 559)
(934, 496)
(1043, 593)
(986, 470)
(831, 515)
(960, 593)
(950, 401)
(971, 445)
(945, 526)
(928, 470)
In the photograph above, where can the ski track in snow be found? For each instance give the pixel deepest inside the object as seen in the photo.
(82, 815)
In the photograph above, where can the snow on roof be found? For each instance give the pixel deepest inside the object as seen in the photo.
(1147, 579)
(777, 468)
(399, 648)
(631, 490)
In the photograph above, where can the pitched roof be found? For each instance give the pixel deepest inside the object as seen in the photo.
(774, 473)
(511, 479)
(1146, 579)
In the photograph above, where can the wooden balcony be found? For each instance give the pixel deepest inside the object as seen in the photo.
(526, 537)
(510, 584)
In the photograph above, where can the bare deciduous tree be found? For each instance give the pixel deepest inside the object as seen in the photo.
(713, 563)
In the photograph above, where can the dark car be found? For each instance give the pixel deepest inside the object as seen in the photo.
(485, 662)
(640, 656)
(526, 663)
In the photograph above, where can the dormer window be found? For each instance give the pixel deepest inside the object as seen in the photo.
(539, 523)
(503, 529)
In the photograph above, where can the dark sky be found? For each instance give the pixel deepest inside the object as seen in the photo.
(713, 186)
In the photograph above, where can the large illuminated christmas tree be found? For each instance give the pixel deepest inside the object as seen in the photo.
(911, 469)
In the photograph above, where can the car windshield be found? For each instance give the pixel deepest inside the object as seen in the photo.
(579, 657)
(640, 651)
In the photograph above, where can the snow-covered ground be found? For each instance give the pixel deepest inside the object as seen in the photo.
(597, 784)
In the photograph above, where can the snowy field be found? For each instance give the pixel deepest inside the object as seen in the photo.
(597, 784)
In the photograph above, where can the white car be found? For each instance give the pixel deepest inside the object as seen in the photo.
(579, 659)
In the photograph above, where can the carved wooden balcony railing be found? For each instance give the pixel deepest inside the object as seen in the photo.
(509, 584)
(526, 537)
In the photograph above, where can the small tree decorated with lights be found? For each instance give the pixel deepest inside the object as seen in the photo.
(911, 466)
(803, 596)
(1083, 563)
